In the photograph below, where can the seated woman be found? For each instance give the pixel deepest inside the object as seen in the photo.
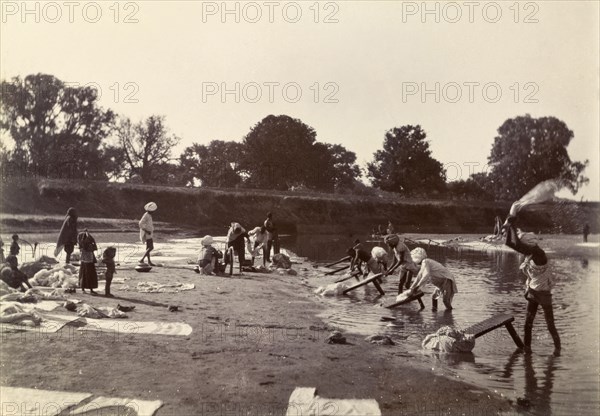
(539, 281)
(209, 256)
(12, 276)
(434, 272)
(402, 257)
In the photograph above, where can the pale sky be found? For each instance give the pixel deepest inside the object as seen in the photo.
(490, 60)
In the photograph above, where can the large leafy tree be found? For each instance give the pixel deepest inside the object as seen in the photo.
(475, 188)
(277, 151)
(57, 129)
(405, 164)
(332, 167)
(216, 164)
(281, 152)
(530, 150)
(146, 149)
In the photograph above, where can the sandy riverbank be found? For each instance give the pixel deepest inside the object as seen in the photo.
(255, 339)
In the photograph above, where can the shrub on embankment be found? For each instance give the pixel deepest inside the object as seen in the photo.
(293, 212)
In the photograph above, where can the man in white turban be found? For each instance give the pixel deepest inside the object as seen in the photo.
(434, 272)
(147, 230)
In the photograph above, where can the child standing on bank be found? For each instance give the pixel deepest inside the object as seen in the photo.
(108, 258)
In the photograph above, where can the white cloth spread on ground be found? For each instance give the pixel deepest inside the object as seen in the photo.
(88, 311)
(51, 323)
(154, 287)
(304, 401)
(22, 401)
(117, 406)
(137, 327)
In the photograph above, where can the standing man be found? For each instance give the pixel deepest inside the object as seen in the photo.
(260, 242)
(235, 239)
(436, 273)
(390, 227)
(539, 283)
(402, 256)
(586, 232)
(147, 230)
(1, 250)
(271, 234)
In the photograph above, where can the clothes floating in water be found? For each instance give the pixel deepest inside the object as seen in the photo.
(448, 339)
(335, 289)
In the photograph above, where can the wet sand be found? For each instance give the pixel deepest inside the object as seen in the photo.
(255, 339)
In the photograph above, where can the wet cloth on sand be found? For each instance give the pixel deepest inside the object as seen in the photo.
(16, 400)
(304, 401)
(117, 406)
(137, 327)
(154, 287)
(88, 311)
(37, 402)
(50, 323)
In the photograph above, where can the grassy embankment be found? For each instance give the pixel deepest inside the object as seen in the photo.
(41, 203)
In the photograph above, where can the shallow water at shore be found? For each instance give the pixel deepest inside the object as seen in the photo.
(488, 283)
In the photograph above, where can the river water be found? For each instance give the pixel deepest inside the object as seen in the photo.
(489, 283)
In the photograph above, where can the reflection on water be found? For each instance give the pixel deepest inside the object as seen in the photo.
(538, 387)
(489, 284)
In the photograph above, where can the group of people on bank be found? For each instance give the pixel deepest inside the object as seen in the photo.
(415, 264)
(411, 264)
(266, 239)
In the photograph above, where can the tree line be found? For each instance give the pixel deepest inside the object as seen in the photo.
(61, 131)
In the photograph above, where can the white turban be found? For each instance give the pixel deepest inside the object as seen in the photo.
(418, 255)
(150, 207)
(207, 240)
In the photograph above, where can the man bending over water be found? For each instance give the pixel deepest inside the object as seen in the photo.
(539, 282)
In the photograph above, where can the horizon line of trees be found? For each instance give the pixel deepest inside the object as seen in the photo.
(60, 131)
